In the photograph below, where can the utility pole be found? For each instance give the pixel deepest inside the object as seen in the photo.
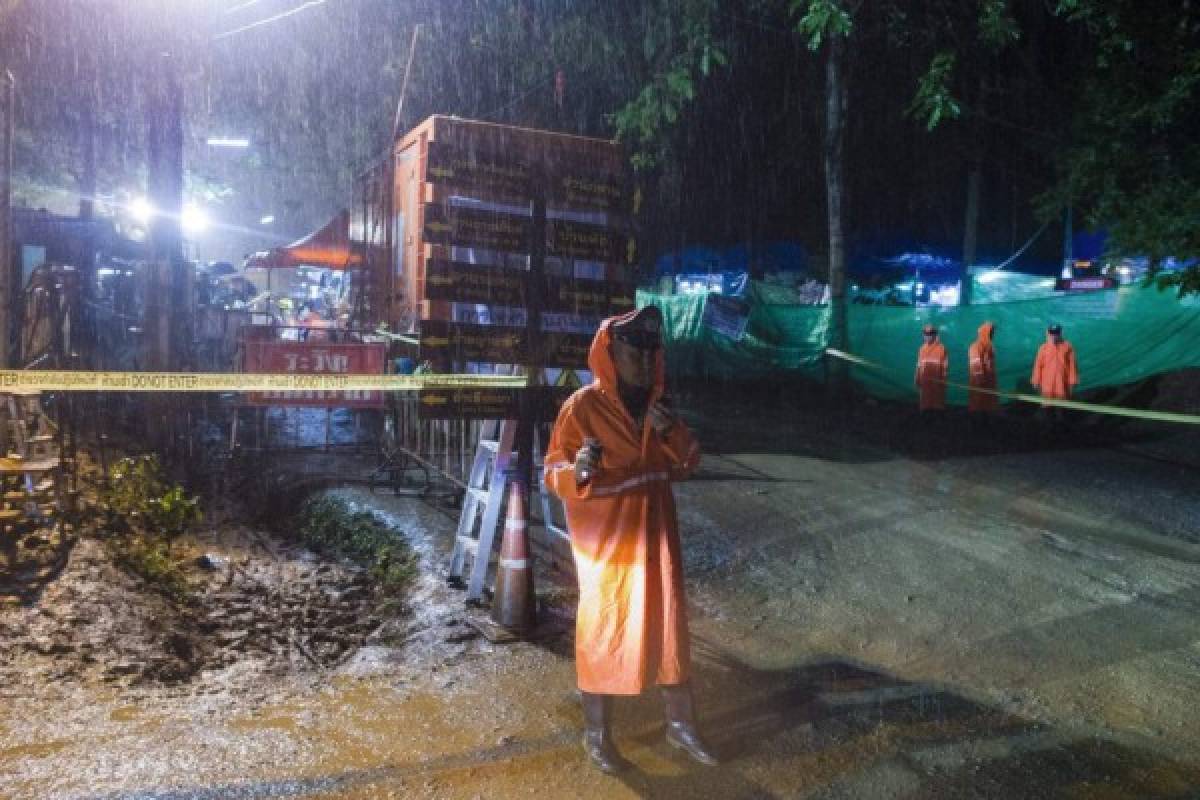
(8, 96)
(398, 121)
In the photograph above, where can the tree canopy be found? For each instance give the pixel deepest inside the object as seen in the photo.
(1084, 103)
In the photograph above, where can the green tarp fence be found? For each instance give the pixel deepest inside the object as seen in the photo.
(1120, 336)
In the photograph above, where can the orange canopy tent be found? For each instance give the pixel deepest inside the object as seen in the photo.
(328, 247)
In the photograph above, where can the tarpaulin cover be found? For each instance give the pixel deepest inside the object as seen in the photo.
(771, 257)
(1120, 336)
(328, 247)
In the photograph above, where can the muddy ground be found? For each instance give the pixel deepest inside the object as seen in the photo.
(883, 606)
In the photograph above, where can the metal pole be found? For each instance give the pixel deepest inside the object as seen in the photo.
(7, 256)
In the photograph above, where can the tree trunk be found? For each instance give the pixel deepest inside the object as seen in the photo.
(165, 155)
(835, 184)
(970, 229)
(8, 269)
(87, 208)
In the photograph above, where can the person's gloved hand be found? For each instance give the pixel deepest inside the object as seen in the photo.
(587, 460)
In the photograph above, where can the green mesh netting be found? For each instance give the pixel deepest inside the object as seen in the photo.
(1120, 336)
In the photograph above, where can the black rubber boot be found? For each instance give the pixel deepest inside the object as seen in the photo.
(681, 724)
(597, 738)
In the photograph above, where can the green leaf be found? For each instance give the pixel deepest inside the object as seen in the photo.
(997, 28)
(820, 20)
(934, 101)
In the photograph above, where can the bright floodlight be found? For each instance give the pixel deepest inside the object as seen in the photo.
(267, 220)
(141, 210)
(194, 220)
(226, 141)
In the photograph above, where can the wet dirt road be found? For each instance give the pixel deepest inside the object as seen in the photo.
(871, 621)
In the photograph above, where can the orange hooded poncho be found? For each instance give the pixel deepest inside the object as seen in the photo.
(932, 367)
(631, 627)
(981, 369)
(1054, 371)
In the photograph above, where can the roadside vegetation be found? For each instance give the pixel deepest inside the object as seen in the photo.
(144, 515)
(330, 525)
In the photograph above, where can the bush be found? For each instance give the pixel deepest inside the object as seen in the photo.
(328, 524)
(151, 514)
(150, 557)
(136, 490)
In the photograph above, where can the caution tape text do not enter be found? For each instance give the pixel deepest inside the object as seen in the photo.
(81, 381)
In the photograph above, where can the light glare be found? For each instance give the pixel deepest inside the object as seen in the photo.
(194, 220)
(227, 141)
(141, 210)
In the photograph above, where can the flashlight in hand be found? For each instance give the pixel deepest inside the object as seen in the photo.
(593, 449)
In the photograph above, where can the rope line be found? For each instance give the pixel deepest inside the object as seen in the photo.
(1074, 405)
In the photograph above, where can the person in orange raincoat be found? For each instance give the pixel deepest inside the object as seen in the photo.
(1054, 370)
(932, 367)
(614, 452)
(981, 369)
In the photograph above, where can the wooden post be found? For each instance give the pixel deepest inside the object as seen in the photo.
(530, 398)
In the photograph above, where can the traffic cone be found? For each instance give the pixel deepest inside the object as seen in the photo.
(513, 602)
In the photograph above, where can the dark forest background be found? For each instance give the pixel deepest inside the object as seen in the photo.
(1014, 109)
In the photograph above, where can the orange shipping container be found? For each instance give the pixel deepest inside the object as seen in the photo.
(448, 216)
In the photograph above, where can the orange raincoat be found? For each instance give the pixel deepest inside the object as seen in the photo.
(1054, 371)
(932, 366)
(631, 630)
(981, 367)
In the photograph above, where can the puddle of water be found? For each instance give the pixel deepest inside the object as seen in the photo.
(39, 750)
(125, 714)
(254, 723)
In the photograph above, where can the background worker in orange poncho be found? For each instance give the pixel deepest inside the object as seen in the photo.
(932, 367)
(614, 452)
(981, 369)
(1054, 371)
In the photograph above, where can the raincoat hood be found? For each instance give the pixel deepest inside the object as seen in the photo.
(604, 369)
(985, 334)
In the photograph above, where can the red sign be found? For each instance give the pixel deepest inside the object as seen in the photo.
(1084, 284)
(315, 358)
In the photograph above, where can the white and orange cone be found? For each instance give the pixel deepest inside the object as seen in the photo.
(513, 605)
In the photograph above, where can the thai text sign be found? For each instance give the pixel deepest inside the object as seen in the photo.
(485, 174)
(489, 403)
(469, 283)
(469, 227)
(301, 358)
(588, 297)
(586, 242)
(500, 344)
(591, 193)
(458, 341)
(468, 404)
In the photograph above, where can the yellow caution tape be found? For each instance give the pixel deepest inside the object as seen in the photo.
(79, 381)
(1094, 408)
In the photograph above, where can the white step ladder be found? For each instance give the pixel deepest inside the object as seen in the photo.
(487, 488)
(485, 493)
